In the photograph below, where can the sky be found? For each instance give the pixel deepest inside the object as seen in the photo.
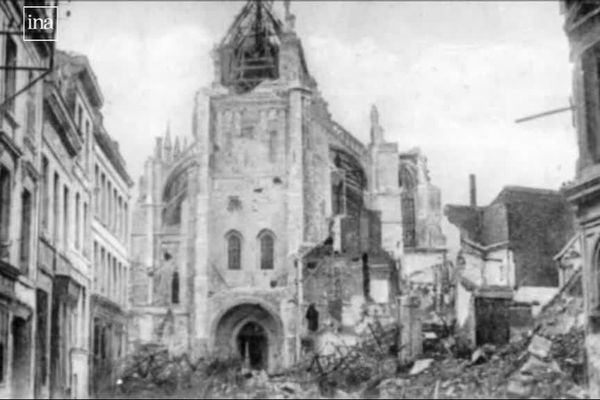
(448, 77)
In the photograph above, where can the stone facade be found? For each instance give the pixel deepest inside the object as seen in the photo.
(78, 291)
(51, 142)
(229, 228)
(20, 145)
(64, 244)
(110, 252)
(582, 27)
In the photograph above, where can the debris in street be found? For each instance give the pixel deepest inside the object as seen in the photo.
(420, 366)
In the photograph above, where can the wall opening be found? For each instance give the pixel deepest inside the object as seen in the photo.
(21, 356)
(253, 345)
(252, 333)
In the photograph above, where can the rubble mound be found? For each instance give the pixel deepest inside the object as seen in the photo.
(548, 363)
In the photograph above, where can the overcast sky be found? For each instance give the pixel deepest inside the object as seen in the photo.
(449, 77)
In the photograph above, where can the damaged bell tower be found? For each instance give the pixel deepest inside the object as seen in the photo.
(249, 53)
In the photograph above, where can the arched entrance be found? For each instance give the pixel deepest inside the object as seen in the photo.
(252, 333)
(253, 345)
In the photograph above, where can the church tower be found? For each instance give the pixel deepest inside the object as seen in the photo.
(250, 199)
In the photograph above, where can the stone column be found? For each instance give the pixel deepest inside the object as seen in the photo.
(199, 196)
(410, 321)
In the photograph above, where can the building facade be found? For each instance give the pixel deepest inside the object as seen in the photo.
(65, 264)
(110, 229)
(231, 230)
(24, 64)
(57, 165)
(582, 27)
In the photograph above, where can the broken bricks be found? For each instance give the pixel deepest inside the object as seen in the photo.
(535, 366)
(518, 389)
(540, 347)
(420, 366)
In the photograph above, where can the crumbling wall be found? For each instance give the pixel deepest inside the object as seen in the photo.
(335, 286)
(465, 315)
(317, 187)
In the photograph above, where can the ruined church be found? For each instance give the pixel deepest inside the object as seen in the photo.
(273, 223)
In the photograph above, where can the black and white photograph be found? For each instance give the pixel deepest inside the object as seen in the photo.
(299, 199)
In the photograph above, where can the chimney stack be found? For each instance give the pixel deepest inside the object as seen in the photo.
(473, 190)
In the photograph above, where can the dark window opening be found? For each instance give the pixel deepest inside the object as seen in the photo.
(30, 112)
(56, 206)
(175, 288)
(3, 343)
(45, 192)
(65, 216)
(366, 276)
(266, 251)
(409, 220)
(25, 230)
(4, 204)
(10, 74)
(312, 316)
(234, 251)
(42, 336)
(77, 221)
(96, 339)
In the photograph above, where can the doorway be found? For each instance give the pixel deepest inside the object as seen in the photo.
(491, 319)
(253, 346)
(21, 356)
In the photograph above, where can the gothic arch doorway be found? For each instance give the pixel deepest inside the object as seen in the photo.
(253, 345)
(252, 332)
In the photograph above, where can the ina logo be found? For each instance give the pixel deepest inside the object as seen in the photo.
(39, 23)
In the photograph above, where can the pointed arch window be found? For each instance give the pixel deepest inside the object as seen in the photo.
(267, 246)
(234, 250)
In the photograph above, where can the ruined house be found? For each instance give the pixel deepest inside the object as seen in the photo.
(505, 267)
(271, 209)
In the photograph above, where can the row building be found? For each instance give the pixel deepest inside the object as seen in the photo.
(64, 195)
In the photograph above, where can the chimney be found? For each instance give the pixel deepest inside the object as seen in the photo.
(473, 190)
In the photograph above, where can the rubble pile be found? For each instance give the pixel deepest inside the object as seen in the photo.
(484, 375)
(549, 363)
(151, 372)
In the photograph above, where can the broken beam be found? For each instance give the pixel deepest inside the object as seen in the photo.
(535, 116)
